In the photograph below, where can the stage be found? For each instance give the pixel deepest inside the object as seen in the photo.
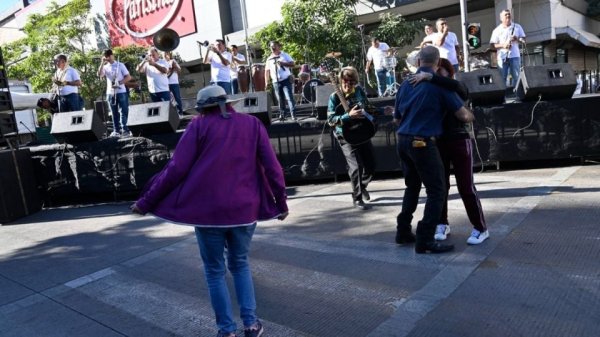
(120, 167)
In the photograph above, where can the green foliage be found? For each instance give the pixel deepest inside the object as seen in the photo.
(396, 31)
(312, 28)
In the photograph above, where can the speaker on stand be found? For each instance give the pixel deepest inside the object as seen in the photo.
(549, 81)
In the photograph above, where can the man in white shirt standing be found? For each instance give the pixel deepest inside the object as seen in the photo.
(66, 83)
(445, 41)
(173, 76)
(278, 70)
(237, 59)
(506, 38)
(219, 60)
(116, 76)
(156, 70)
(376, 56)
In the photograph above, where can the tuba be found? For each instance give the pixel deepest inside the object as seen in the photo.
(166, 39)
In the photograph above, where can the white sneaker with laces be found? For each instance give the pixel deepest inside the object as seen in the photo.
(114, 134)
(441, 232)
(477, 237)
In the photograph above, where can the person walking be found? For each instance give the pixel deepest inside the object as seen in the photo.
(419, 112)
(222, 179)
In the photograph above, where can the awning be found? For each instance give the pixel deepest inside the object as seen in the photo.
(586, 38)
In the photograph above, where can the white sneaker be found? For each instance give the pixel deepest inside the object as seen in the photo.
(126, 134)
(477, 237)
(114, 134)
(441, 232)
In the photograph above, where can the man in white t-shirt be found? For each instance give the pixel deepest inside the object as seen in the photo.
(66, 83)
(116, 76)
(156, 70)
(219, 59)
(446, 42)
(278, 71)
(376, 56)
(173, 76)
(506, 38)
(237, 59)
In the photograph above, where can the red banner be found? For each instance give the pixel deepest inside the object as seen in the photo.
(136, 21)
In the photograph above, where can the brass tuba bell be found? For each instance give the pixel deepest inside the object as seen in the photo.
(166, 39)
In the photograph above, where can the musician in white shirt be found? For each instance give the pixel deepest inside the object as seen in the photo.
(505, 38)
(376, 56)
(65, 84)
(237, 59)
(219, 59)
(173, 76)
(156, 70)
(116, 76)
(446, 42)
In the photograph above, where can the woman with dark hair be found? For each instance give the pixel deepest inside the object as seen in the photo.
(456, 148)
(223, 178)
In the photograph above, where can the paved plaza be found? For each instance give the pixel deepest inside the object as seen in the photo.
(328, 270)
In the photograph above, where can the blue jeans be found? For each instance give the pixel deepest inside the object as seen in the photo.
(512, 65)
(381, 80)
(70, 102)
(162, 96)
(225, 85)
(174, 88)
(421, 165)
(119, 120)
(212, 242)
(234, 86)
(284, 89)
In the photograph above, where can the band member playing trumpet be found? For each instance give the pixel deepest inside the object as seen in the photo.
(237, 59)
(116, 76)
(173, 76)
(156, 70)
(65, 84)
(219, 60)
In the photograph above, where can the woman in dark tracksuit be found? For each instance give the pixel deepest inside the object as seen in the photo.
(456, 148)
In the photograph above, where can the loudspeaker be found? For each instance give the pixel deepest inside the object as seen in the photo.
(102, 109)
(323, 92)
(486, 86)
(18, 193)
(77, 126)
(552, 81)
(257, 104)
(152, 118)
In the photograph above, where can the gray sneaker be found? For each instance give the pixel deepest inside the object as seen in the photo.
(441, 232)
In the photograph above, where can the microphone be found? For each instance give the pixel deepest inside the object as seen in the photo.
(360, 26)
(205, 43)
(522, 40)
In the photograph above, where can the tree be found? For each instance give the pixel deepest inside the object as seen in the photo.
(63, 30)
(396, 31)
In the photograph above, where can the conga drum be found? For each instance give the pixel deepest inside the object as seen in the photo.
(258, 76)
(243, 79)
(304, 74)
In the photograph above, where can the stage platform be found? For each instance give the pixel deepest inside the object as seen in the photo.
(307, 150)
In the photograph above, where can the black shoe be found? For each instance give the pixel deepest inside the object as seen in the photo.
(432, 247)
(361, 205)
(366, 195)
(402, 238)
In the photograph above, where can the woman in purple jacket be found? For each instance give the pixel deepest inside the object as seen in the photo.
(222, 179)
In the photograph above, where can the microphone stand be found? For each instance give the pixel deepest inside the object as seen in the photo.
(363, 54)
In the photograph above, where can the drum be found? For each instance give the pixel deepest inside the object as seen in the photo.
(258, 76)
(243, 79)
(389, 62)
(304, 74)
(309, 91)
(411, 61)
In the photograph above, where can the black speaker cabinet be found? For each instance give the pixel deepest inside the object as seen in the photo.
(152, 118)
(486, 86)
(18, 193)
(102, 109)
(77, 126)
(552, 81)
(257, 104)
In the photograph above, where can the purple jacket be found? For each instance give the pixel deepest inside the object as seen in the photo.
(223, 172)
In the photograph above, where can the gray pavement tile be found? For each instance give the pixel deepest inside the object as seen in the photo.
(12, 291)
